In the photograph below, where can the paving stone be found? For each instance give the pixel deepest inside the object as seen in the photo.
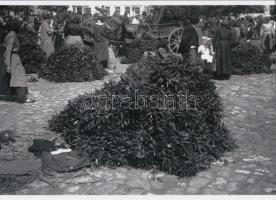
(160, 175)
(175, 191)
(242, 171)
(272, 176)
(24, 191)
(258, 174)
(117, 181)
(157, 185)
(228, 159)
(205, 174)
(138, 183)
(38, 184)
(232, 187)
(221, 181)
(73, 189)
(270, 190)
(262, 170)
(192, 190)
(223, 173)
(120, 175)
(42, 191)
(249, 166)
(251, 180)
(120, 191)
(137, 192)
(182, 184)
(218, 163)
(198, 182)
(147, 175)
(63, 185)
(105, 189)
(256, 159)
(210, 191)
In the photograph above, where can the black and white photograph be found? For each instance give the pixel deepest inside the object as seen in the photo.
(137, 98)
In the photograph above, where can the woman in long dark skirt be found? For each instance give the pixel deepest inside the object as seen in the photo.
(223, 42)
(13, 67)
(101, 43)
(4, 81)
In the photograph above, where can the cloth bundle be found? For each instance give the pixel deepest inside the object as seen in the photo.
(41, 145)
(56, 158)
(18, 167)
(64, 162)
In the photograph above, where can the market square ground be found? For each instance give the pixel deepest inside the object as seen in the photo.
(250, 113)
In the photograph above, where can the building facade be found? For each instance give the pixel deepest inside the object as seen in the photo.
(131, 10)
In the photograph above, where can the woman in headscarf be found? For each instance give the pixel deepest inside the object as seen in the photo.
(88, 34)
(58, 24)
(223, 42)
(267, 35)
(14, 69)
(73, 32)
(244, 27)
(101, 44)
(214, 25)
(46, 35)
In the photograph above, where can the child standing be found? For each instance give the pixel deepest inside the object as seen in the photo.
(206, 55)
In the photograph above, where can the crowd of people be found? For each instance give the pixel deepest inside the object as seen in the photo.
(211, 41)
(54, 30)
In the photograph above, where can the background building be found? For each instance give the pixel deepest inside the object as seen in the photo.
(131, 10)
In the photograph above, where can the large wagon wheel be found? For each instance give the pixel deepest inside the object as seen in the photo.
(174, 41)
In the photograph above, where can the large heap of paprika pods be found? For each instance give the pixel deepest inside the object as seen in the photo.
(126, 131)
(74, 64)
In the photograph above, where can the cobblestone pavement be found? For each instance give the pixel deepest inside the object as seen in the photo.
(250, 114)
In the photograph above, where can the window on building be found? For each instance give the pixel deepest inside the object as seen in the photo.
(79, 10)
(107, 8)
(127, 10)
(117, 10)
(137, 10)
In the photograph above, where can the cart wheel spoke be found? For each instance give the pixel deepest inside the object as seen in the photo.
(174, 41)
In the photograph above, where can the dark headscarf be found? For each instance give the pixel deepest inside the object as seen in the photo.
(73, 18)
(13, 25)
(46, 16)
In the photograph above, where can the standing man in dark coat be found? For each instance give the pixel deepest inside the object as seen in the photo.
(189, 42)
(214, 25)
(223, 43)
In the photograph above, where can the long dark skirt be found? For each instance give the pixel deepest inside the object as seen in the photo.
(101, 50)
(14, 94)
(268, 49)
(224, 58)
(58, 40)
(17, 94)
(268, 42)
(4, 80)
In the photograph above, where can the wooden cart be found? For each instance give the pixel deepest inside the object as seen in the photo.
(171, 32)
